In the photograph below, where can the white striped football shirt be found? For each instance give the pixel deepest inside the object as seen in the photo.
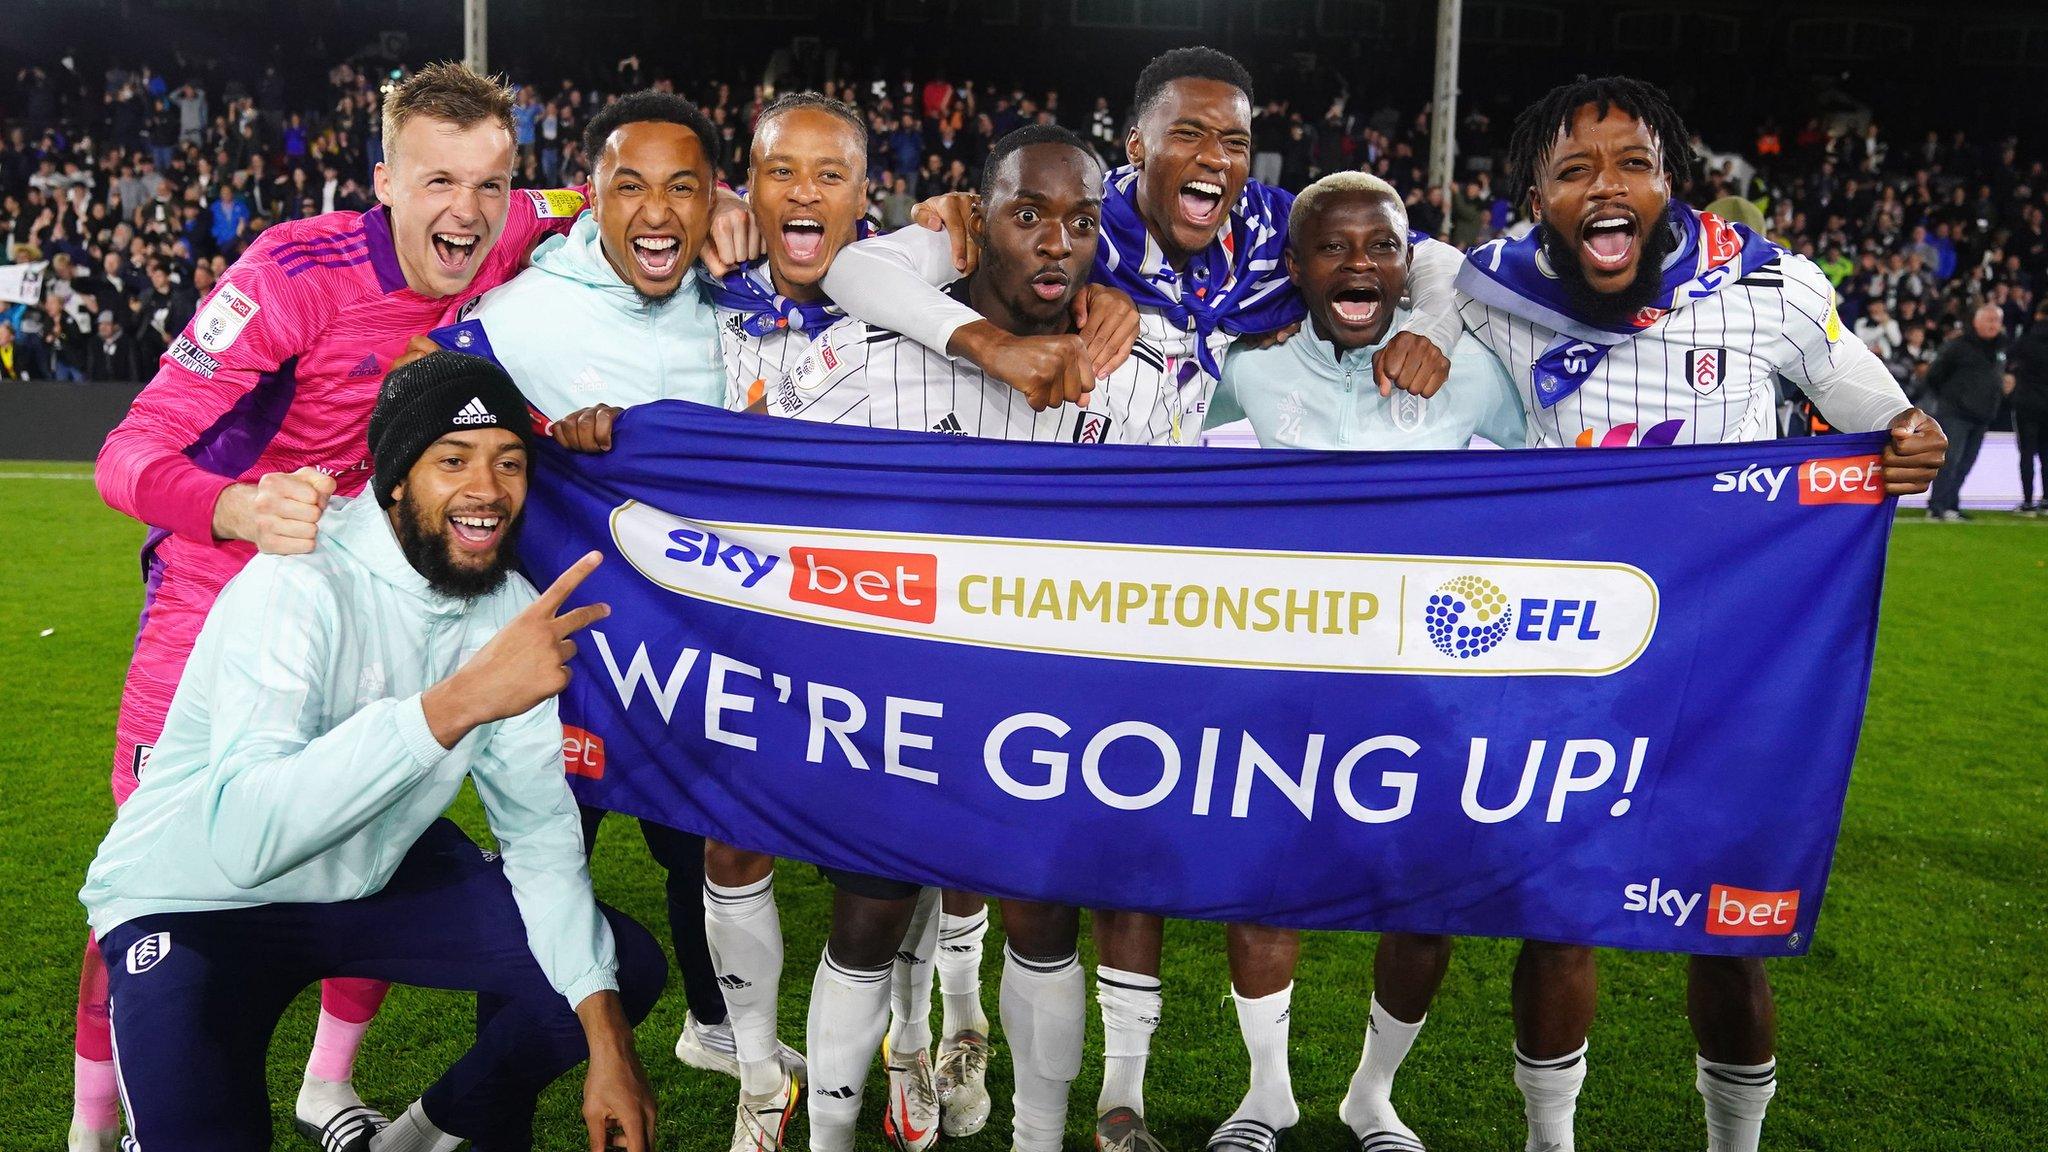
(1705, 373)
(754, 362)
(857, 374)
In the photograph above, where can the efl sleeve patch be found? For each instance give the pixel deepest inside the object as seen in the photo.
(222, 320)
(556, 203)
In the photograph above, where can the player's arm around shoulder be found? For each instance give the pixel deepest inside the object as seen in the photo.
(1480, 384)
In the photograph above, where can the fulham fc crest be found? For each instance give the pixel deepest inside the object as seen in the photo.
(146, 952)
(1704, 367)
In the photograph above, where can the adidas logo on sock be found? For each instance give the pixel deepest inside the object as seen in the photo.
(474, 412)
(951, 425)
(843, 1092)
(734, 982)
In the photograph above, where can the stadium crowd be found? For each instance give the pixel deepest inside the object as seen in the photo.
(139, 192)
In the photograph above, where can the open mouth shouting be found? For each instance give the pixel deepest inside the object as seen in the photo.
(803, 238)
(455, 250)
(1050, 284)
(657, 254)
(1201, 203)
(1609, 239)
(476, 532)
(1357, 306)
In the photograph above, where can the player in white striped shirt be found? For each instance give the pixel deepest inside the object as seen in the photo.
(1627, 318)
(1035, 242)
(1035, 230)
(1197, 244)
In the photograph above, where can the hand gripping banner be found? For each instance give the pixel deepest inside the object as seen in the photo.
(1608, 697)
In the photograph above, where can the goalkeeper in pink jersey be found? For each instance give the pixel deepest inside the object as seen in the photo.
(256, 418)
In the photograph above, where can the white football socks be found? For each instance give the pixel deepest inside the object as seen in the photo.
(910, 981)
(1263, 1023)
(1045, 1015)
(1130, 1014)
(1368, 1105)
(849, 1013)
(1550, 1094)
(1736, 1096)
(960, 940)
(743, 928)
(413, 1132)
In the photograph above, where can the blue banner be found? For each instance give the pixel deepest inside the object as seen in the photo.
(1607, 697)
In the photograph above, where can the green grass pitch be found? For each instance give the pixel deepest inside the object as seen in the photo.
(1920, 1021)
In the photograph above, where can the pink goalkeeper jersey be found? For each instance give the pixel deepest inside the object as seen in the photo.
(279, 369)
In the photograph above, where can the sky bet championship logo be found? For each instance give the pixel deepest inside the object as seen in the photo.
(1244, 608)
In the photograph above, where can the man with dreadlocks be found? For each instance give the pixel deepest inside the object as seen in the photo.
(1628, 318)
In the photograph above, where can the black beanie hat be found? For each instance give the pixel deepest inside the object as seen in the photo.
(431, 397)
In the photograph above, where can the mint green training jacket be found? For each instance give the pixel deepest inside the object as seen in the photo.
(296, 765)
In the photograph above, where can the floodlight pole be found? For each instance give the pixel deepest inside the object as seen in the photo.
(475, 38)
(1443, 117)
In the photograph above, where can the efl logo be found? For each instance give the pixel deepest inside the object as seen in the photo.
(582, 753)
(898, 585)
(1744, 912)
(1843, 480)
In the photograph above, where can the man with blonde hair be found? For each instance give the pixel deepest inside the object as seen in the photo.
(255, 420)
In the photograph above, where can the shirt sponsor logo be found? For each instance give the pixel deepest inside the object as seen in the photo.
(582, 753)
(148, 952)
(185, 354)
(1704, 368)
(1316, 611)
(223, 318)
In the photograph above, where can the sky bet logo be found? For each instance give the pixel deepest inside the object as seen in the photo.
(894, 585)
(1729, 911)
(696, 547)
(1841, 480)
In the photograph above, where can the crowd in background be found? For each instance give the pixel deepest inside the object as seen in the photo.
(139, 184)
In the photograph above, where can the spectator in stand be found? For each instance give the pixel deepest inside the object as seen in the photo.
(13, 359)
(230, 222)
(1968, 380)
(1269, 139)
(1878, 330)
(1909, 363)
(896, 205)
(111, 355)
(2030, 410)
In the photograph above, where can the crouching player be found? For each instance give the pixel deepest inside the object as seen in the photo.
(1348, 254)
(290, 826)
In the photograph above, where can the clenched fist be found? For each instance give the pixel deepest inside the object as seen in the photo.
(1048, 370)
(280, 513)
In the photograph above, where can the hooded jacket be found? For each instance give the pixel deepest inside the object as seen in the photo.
(296, 765)
(572, 333)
